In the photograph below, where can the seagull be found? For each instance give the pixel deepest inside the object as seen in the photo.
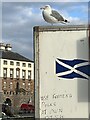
(52, 16)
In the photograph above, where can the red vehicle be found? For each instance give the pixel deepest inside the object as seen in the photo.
(27, 108)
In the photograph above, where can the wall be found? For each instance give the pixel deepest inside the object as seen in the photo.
(8, 66)
(61, 77)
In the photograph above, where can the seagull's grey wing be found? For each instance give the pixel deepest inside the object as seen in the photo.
(57, 15)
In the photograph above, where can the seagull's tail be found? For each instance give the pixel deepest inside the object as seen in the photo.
(66, 21)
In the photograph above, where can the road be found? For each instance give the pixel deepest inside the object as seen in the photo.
(21, 116)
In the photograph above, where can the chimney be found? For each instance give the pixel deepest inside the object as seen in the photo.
(2, 46)
(8, 47)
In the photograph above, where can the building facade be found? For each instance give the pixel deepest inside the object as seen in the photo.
(17, 74)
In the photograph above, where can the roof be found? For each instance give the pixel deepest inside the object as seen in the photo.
(13, 56)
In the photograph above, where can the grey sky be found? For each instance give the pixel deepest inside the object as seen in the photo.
(19, 18)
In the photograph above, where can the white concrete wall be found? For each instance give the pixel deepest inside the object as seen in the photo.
(0, 67)
(0, 90)
(0, 76)
(59, 96)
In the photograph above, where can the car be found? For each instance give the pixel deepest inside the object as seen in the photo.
(27, 108)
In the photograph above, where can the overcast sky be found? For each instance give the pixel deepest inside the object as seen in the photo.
(19, 18)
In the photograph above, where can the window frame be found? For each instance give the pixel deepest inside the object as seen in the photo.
(29, 74)
(11, 73)
(17, 71)
(23, 74)
(29, 65)
(4, 73)
(11, 62)
(5, 62)
(23, 64)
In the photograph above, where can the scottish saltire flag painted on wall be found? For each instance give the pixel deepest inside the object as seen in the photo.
(70, 69)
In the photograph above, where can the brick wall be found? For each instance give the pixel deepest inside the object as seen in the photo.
(22, 95)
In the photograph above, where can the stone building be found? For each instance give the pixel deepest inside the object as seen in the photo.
(17, 75)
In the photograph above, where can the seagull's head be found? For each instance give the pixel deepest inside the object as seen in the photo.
(46, 7)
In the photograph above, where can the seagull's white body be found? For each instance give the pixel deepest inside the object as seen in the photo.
(52, 16)
(47, 16)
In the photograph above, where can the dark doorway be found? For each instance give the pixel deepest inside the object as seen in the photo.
(8, 101)
(17, 87)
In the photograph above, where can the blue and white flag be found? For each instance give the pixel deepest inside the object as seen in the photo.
(70, 69)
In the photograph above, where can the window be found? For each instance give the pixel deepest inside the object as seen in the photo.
(11, 73)
(23, 74)
(24, 64)
(23, 85)
(17, 87)
(28, 85)
(17, 63)
(17, 73)
(11, 85)
(10, 92)
(11, 63)
(5, 62)
(29, 65)
(4, 92)
(4, 85)
(29, 74)
(5, 72)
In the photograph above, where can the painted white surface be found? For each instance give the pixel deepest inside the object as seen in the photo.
(61, 97)
(8, 66)
(0, 78)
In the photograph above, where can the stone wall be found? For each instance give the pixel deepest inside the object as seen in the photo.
(19, 99)
(18, 95)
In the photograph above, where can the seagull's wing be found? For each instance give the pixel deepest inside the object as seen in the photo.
(57, 15)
